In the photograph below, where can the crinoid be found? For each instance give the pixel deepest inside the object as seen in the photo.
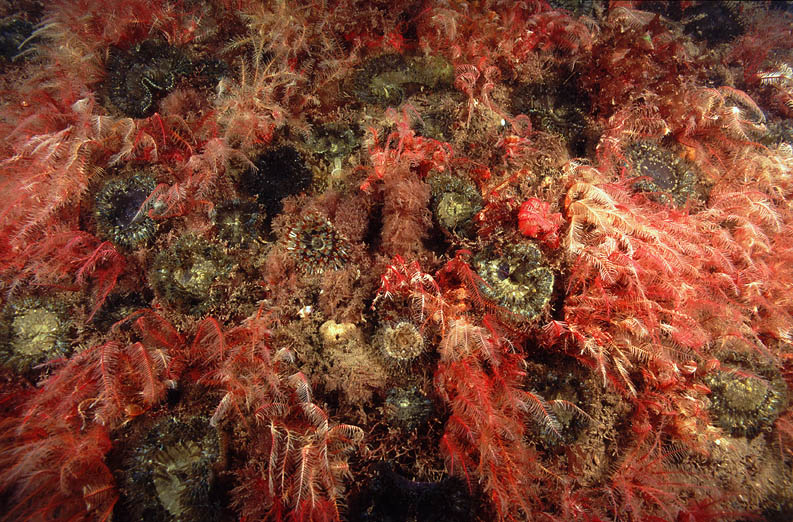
(518, 280)
(118, 211)
(316, 244)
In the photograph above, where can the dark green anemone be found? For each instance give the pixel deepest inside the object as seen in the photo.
(667, 177)
(455, 202)
(139, 77)
(119, 214)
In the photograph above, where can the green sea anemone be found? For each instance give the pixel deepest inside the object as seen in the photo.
(170, 473)
(455, 202)
(34, 330)
(517, 280)
(184, 275)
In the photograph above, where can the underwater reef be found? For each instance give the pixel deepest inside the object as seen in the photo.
(402, 260)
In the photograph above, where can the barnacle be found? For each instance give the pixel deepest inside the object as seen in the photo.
(238, 223)
(388, 79)
(316, 244)
(517, 280)
(170, 474)
(184, 275)
(668, 177)
(139, 77)
(745, 403)
(33, 330)
(407, 408)
(118, 214)
(279, 172)
(401, 342)
(455, 201)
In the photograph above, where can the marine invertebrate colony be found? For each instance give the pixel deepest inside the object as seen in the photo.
(533, 256)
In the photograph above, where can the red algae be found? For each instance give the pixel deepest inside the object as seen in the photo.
(385, 261)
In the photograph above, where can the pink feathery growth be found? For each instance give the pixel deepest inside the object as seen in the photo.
(537, 222)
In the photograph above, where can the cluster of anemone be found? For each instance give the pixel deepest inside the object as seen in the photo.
(316, 245)
(517, 280)
(119, 211)
(34, 330)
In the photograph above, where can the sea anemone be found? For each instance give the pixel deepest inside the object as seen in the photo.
(34, 330)
(745, 403)
(238, 223)
(118, 214)
(667, 177)
(170, 473)
(138, 78)
(517, 281)
(455, 202)
(184, 275)
(400, 342)
(407, 408)
(388, 79)
(316, 245)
